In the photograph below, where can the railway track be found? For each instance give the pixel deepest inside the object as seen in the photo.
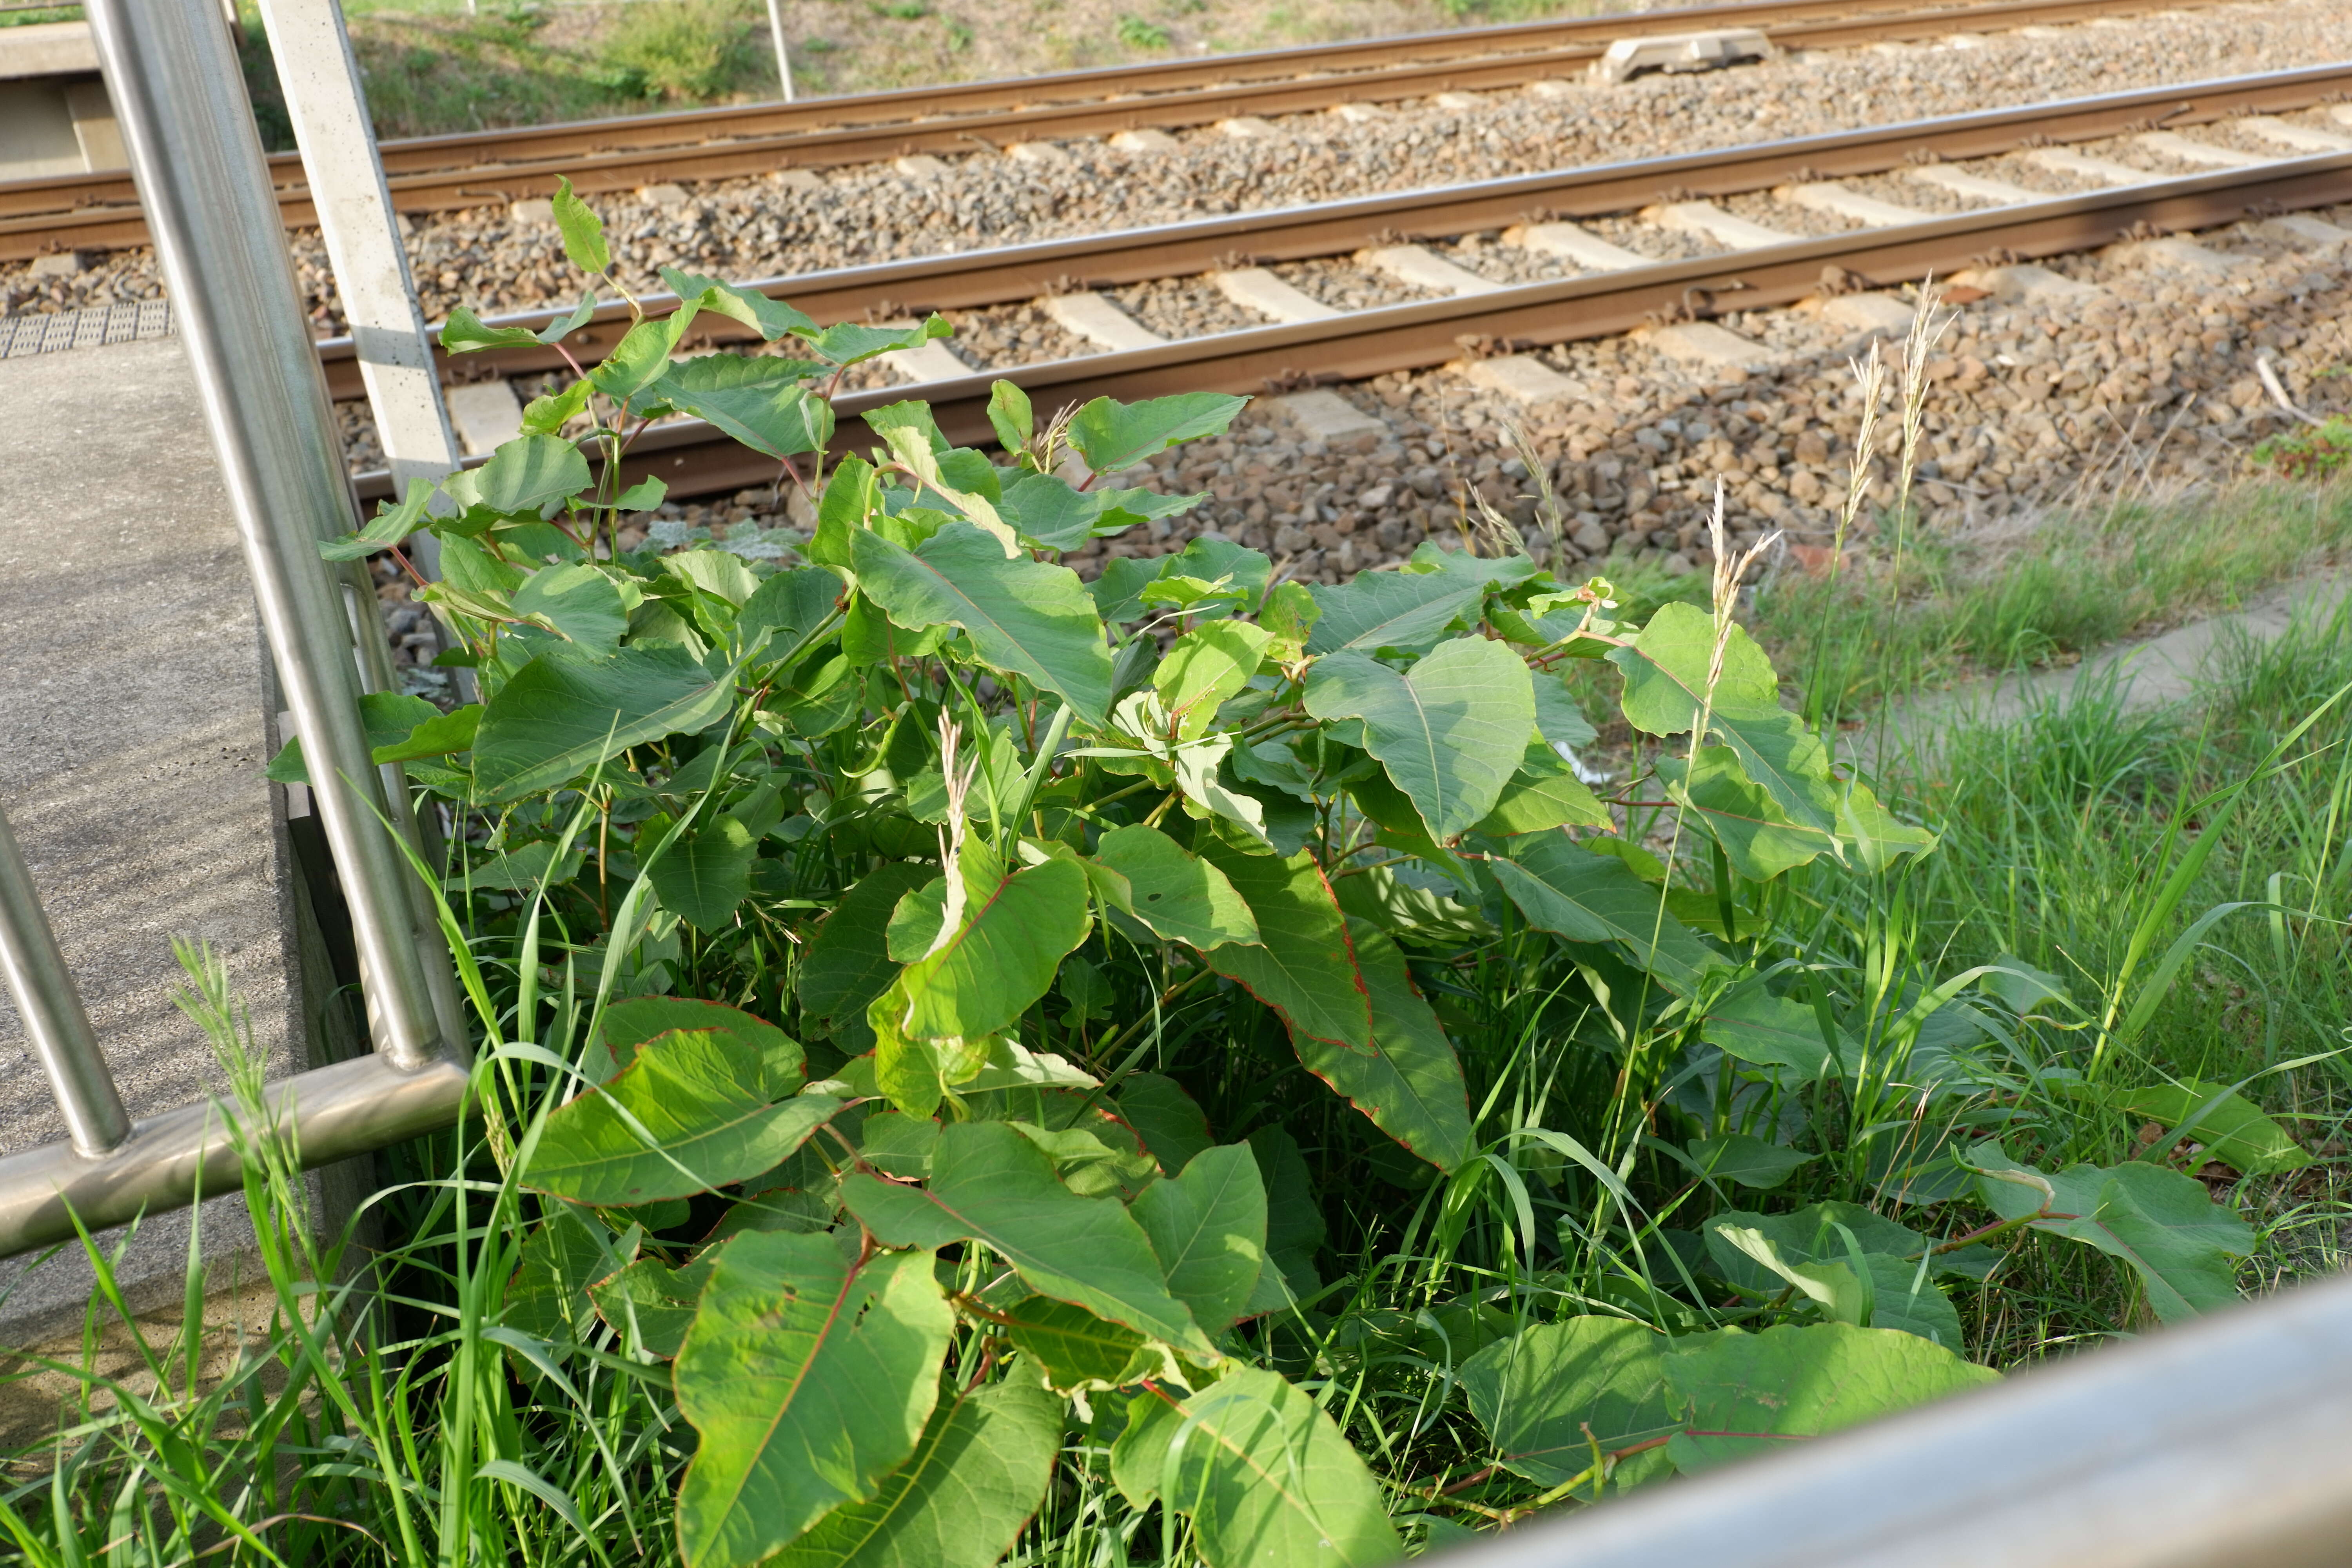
(1604, 286)
(451, 173)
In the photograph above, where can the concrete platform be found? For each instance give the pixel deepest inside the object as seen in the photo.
(136, 716)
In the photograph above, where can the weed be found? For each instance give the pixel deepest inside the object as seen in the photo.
(1139, 34)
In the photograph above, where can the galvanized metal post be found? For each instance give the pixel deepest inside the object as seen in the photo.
(783, 55)
(198, 161)
(328, 106)
(50, 1006)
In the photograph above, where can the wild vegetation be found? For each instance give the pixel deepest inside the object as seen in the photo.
(977, 1065)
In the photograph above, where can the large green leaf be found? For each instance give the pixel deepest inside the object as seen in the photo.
(1867, 1289)
(1269, 1480)
(565, 711)
(848, 962)
(2160, 1222)
(1666, 669)
(1548, 1395)
(1752, 1393)
(992, 1185)
(651, 1301)
(703, 877)
(978, 1473)
(1169, 1121)
(576, 600)
(758, 401)
(1303, 967)
(1406, 1078)
(789, 606)
(1754, 1026)
(582, 230)
(642, 357)
(1740, 814)
(1071, 1348)
(1451, 731)
(1208, 1228)
(703, 1099)
(809, 1378)
(1584, 897)
(1025, 618)
(771, 319)
(629, 1024)
(528, 475)
(1114, 435)
(1411, 609)
(1180, 896)
(1206, 666)
(2233, 1129)
(980, 977)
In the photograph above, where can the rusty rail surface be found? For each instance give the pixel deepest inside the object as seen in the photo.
(695, 460)
(979, 278)
(449, 173)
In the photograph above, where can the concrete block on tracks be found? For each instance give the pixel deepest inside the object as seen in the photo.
(2304, 231)
(2189, 150)
(797, 179)
(1551, 87)
(140, 710)
(1145, 140)
(531, 212)
(1878, 314)
(1044, 155)
(1679, 52)
(666, 196)
(1960, 183)
(486, 414)
(1710, 222)
(1097, 319)
(930, 361)
(1841, 201)
(1571, 242)
(1703, 345)
(2025, 284)
(2084, 166)
(919, 167)
(1459, 101)
(1255, 288)
(1424, 268)
(1359, 113)
(2184, 257)
(1524, 379)
(2299, 138)
(1247, 128)
(1322, 415)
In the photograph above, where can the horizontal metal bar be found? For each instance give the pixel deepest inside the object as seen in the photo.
(333, 1114)
(2218, 1443)
(1015, 272)
(50, 1006)
(693, 459)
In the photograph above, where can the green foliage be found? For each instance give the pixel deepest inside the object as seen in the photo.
(1194, 1034)
(1139, 34)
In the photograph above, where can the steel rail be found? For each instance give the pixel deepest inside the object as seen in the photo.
(62, 212)
(2216, 1444)
(693, 459)
(1009, 273)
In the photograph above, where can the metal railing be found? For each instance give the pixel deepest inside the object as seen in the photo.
(2222, 1444)
(181, 99)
